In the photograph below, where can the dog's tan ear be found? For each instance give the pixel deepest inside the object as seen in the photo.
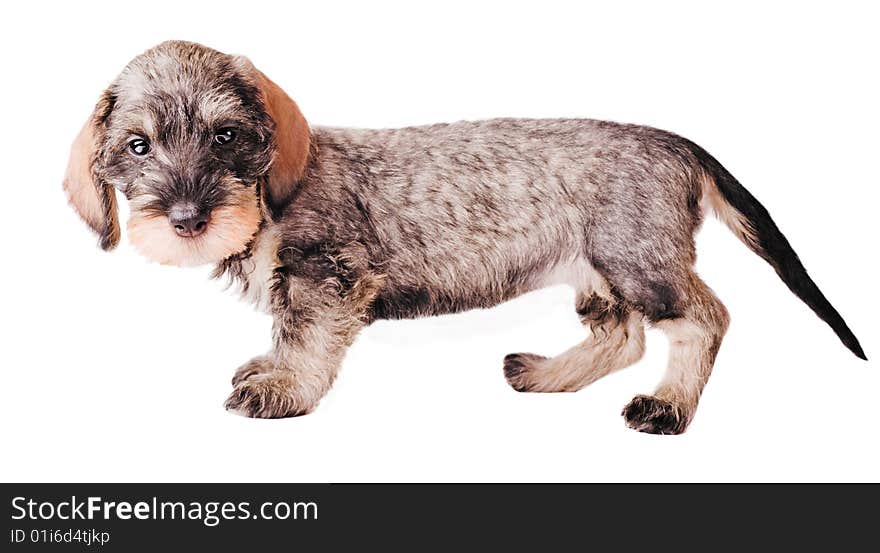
(292, 137)
(92, 198)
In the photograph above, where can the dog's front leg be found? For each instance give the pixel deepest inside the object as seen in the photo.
(314, 323)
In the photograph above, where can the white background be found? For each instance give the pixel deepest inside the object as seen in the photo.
(116, 369)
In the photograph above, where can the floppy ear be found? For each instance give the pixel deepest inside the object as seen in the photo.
(292, 137)
(92, 198)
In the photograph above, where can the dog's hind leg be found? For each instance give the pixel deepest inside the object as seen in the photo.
(617, 340)
(695, 334)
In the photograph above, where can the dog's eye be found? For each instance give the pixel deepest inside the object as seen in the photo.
(224, 136)
(139, 147)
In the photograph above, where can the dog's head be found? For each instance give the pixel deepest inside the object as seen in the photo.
(201, 143)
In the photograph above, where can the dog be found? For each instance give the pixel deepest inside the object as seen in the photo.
(329, 229)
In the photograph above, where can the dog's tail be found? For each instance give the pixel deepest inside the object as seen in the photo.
(751, 222)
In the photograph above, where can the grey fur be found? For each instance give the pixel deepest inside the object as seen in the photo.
(419, 221)
(469, 214)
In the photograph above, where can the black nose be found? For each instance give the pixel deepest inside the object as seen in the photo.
(188, 220)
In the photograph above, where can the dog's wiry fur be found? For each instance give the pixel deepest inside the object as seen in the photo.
(329, 229)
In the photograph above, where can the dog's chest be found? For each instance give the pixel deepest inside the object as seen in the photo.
(257, 271)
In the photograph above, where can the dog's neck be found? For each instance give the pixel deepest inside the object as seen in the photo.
(251, 270)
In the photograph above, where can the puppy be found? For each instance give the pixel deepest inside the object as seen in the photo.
(330, 229)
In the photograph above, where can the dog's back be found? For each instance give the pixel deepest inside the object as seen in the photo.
(469, 214)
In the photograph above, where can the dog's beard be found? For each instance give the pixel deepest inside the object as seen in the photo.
(231, 228)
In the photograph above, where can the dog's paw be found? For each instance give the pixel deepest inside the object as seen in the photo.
(519, 370)
(655, 416)
(257, 365)
(270, 395)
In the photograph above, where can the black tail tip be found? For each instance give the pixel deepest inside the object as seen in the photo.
(853, 344)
